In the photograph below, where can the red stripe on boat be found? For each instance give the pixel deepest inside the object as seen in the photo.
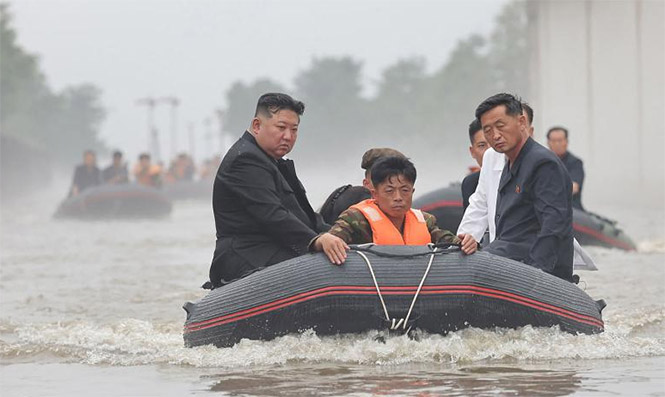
(600, 236)
(442, 203)
(401, 290)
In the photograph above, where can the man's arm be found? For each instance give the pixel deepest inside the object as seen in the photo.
(74, 189)
(439, 235)
(552, 197)
(466, 241)
(350, 228)
(474, 221)
(254, 185)
(576, 172)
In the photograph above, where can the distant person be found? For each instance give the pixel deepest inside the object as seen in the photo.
(480, 213)
(116, 173)
(181, 169)
(262, 214)
(209, 167)
(387, 218)
(189, 169)
(344, 197)
(477, 149)
(86, 175)
(534, 213)
(146, 173)
(557, 140)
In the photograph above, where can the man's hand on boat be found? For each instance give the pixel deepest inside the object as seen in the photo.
(334, 247)
(468, 244)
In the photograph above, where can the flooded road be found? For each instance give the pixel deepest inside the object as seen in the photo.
(95, 308)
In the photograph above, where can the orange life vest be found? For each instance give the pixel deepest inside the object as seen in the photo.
(384, 231)
(149, 176)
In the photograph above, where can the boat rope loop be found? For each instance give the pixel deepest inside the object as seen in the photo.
(395, 323)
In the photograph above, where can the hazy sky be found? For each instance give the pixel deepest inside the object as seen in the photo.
(196, 49)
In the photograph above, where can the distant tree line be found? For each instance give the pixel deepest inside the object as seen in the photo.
(39, 128)
(411, 108)
(57, 125)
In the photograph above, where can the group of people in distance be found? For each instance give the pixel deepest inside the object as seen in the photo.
(524, 195)
(145, 172)
(87, 175)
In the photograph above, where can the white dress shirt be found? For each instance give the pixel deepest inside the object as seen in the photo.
(481, 212)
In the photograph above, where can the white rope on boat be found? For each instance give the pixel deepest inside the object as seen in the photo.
(395, 324)
(429, 265)
(378, 290)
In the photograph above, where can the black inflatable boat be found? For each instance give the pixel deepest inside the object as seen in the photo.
(116, 201)
(389, 287)
(589, 229)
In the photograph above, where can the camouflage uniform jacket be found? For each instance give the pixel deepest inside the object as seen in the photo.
(354, 228)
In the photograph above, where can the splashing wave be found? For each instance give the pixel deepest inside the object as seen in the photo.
(138, 342)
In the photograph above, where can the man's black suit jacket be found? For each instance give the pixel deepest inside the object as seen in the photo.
(469, 185)
(262, 214)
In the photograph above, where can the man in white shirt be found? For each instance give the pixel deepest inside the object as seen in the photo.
(481, 212)
(480, 215)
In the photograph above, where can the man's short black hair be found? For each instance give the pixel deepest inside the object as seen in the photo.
(388, 167)
(474, 127)
(512, 103)
(117, 154)
(272, 103)
(557, 128)
(529, 112)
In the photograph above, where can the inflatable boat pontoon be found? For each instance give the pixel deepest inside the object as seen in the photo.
(128, 200)
(588, 228)
(389, 287)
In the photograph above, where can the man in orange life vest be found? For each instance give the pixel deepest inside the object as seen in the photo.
(387, 218)
(146, 173)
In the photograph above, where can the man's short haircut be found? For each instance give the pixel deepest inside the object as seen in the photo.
(117, 154)
(272, 103)
(513, 105)
(557, 128)
(89, 151)
(370, 156)
(529, 112)
(474, 127)
(388, 167)
(144, 156)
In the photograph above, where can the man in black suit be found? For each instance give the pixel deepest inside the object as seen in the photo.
(477, 149)
(534, 213)
(86, 175)
(557, 140)
(262, 214)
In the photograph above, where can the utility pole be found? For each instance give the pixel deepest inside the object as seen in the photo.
(153, 134)
(173, 102)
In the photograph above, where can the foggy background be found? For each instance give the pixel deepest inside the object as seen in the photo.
(373, 73)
